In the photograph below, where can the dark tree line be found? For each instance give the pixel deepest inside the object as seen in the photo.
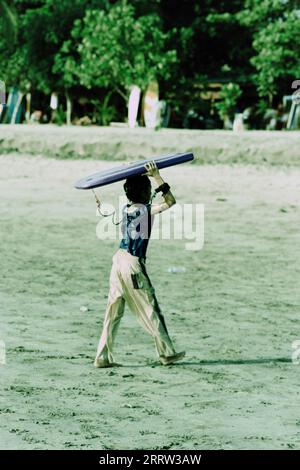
(96, 49)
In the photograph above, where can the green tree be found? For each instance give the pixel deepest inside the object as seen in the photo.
(257, 14)
(275, 31)
(278, 54)
(114, 49)
(229, 96)
(12, 48)
(45, 28)
(205, 36)
(9, 22)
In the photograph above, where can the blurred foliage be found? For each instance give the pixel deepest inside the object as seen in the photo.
(229, 96)
(104, 112)
(50, 45)
(9, 22)
(59, 116)
(113, 49)
(275, 27)
(278, 54)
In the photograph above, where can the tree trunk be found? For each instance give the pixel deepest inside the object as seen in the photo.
(28, 103)
(69, 109)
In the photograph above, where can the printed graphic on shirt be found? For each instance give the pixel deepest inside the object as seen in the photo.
(136, 228)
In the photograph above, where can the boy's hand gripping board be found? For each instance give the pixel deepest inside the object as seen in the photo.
(122, 172)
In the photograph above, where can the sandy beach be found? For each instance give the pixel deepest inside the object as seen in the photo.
(234, 309)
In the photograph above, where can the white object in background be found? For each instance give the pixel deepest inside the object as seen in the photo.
(176, 269)
(54, 101)
(238, 123)
(133, 105)
(151, 106)
(84, 309)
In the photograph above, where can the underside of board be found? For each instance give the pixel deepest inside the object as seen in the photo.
(124, 171)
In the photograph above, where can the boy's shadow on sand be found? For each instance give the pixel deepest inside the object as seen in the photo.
(224, 362)
(219, 362)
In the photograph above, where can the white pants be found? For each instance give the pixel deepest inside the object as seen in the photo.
(129, 282)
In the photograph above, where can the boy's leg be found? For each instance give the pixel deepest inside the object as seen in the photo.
(113, 314)
(141, 299)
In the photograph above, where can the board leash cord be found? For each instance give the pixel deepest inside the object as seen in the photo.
(112, 214)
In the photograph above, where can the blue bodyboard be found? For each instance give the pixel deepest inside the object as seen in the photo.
(122, 172)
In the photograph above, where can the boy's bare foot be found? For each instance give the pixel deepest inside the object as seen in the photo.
(168, 360)
(101, 363)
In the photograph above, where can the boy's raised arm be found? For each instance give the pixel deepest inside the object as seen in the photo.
(170, 200)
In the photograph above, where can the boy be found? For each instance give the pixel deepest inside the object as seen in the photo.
(129, 280)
